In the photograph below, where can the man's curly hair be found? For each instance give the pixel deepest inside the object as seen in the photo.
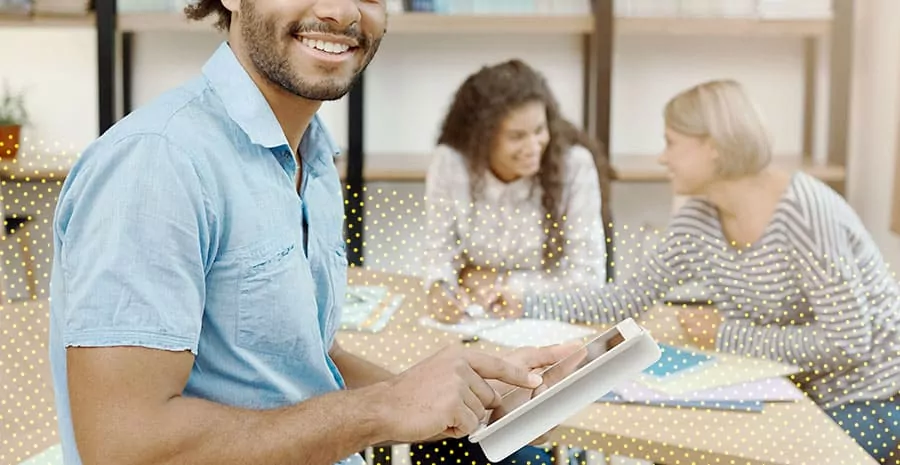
(202, 9)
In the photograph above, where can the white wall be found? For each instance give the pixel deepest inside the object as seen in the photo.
(57, 69)
(875, 118)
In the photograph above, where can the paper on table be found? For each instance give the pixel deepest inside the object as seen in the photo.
(725, 370)
(677, 361)
(729, 405)
(523, 332)
(52, 456)
(369, 308)
(467, 327)
(527, 332)
(776, 389)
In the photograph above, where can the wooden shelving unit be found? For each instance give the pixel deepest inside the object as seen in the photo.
(41, 21)
(644, 168)
(406, 23)
(740, 27)
(599, 31)
(162, 22)
(425, 23)
(629, 168)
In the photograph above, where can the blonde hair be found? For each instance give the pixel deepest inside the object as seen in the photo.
(721, 112)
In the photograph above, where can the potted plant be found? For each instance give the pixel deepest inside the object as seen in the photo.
(12, 117)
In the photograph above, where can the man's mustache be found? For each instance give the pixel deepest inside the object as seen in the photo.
(352, 32)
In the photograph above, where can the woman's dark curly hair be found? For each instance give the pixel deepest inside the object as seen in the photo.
(201, 9)
(472, 126)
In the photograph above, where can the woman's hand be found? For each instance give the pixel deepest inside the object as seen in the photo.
(443, 305)
(509, 305)
(481, 284)
(701, 325)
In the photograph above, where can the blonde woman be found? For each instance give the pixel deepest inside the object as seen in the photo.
(790, 268)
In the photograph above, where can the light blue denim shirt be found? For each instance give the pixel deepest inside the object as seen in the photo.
(181, 229)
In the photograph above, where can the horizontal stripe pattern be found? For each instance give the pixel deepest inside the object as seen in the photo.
(814, 291)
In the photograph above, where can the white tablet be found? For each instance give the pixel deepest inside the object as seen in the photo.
(611, 358)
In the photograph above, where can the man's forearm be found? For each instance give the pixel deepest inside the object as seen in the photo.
(358, 372)
(319, 431)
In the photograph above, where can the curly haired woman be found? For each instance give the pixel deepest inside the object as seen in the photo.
(513, 189)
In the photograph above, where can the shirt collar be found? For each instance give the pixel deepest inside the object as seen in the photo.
(248, 108)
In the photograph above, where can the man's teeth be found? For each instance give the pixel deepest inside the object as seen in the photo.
(329, 47)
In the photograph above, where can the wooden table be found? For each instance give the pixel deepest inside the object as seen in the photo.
(48, 166)
(27, 410)
(784, 433)
(789, 433)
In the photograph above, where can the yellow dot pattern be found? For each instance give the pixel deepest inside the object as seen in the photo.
(29, 187)
(396, 228)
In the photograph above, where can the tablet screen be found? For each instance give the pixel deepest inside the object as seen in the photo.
(578, 359)
(587, 354)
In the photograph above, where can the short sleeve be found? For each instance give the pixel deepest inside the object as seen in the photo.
(133, 238)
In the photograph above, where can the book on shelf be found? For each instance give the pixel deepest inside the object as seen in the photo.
(761, 9)
(151, 6)
(15, 7)
(61, 7)
(496, 7)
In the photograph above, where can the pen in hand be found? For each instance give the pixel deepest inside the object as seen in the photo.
(462, 303)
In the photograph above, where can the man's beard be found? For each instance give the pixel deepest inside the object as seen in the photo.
(267, 52)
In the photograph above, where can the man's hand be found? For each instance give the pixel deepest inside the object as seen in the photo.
(537, 360)
(448, 393)
(701, 325)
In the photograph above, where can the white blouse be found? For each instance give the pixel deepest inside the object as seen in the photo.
(504, 229)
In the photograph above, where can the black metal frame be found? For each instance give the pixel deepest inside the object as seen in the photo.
(127, 68)
(354, 207)
(106, 62)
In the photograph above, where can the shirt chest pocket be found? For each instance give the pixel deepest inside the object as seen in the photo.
(337, 284)
(277, 310)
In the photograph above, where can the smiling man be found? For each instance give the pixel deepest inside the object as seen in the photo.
(199, 270)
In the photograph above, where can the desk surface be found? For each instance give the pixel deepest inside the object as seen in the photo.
(784, 433)
(27, 411)
(790, 433)
(34, 166)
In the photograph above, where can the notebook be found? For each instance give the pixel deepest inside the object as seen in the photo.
(753, 406)
(524, 332)
(725, 370)
(369, 308)
(777, 389)
(677, 360)
(52, 456)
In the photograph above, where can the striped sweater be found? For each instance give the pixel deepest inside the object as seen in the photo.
(814, 292)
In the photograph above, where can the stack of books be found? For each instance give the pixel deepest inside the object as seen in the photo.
(147, 6)
(487, 7)
(763, 9)
(61, 7)
(794, 9)
(15, 7)
(685, 377)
